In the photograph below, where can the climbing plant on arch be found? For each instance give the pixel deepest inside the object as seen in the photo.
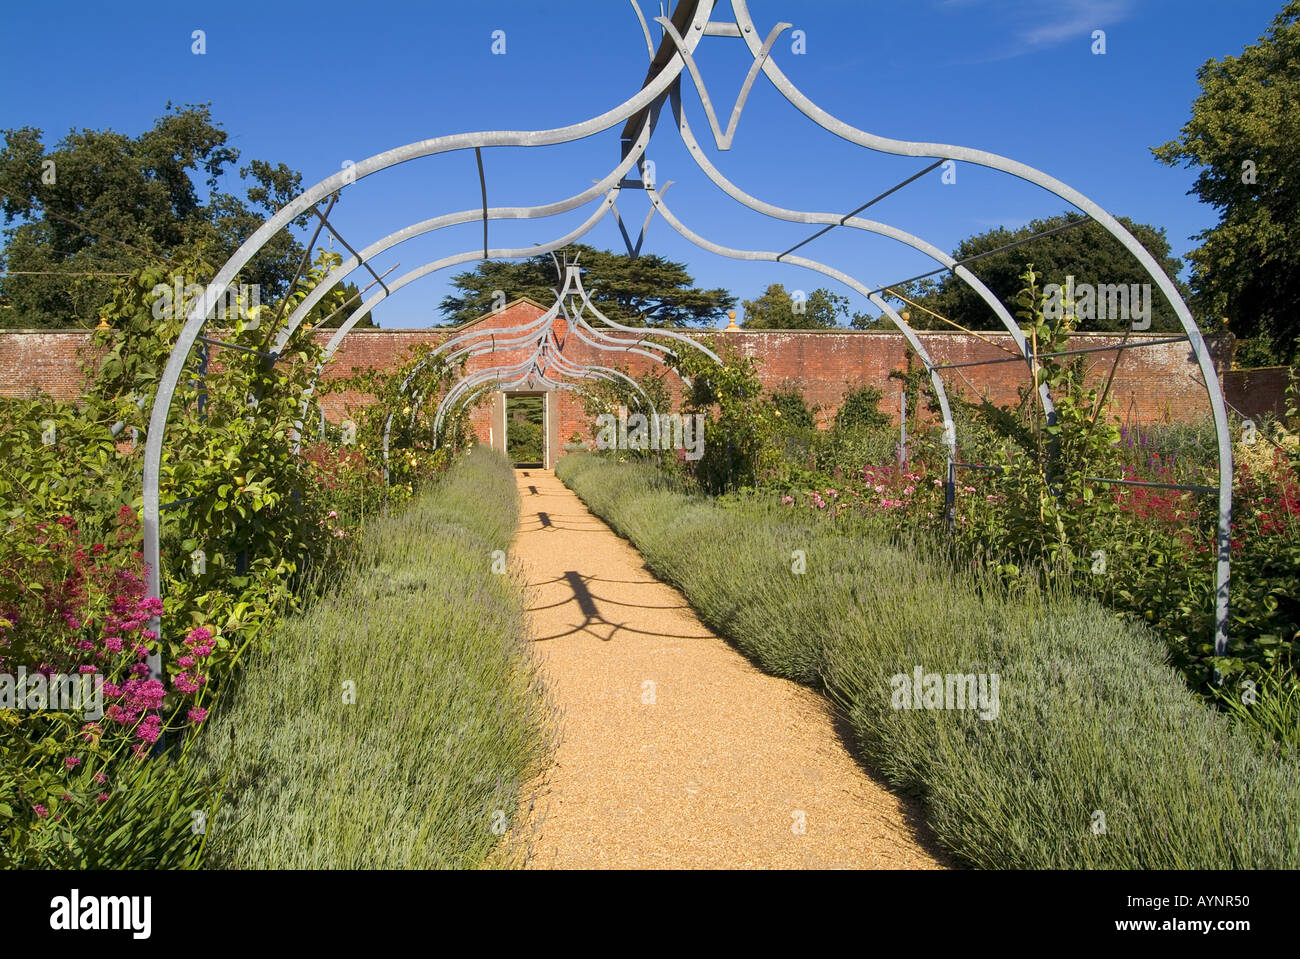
(690, 23)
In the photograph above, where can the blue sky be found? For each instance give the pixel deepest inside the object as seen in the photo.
(316, 85)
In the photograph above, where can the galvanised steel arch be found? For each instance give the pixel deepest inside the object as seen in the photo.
(543, 329)
(691, 21)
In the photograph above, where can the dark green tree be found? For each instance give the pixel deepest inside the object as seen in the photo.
(1244, 137)
(1088, 253)
(100, 202)
(646, 290)
(777, 309)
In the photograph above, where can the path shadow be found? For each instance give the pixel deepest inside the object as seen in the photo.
(592, 616)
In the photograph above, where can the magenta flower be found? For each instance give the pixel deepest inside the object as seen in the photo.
(186, 661)
(40, 810)
(100, 778)
(197, 635)
(102, 797)
(149, 729)
(72, 762)
(197, 714)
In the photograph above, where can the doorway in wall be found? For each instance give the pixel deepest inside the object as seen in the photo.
(526, 429)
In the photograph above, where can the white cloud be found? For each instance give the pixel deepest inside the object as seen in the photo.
(1078, 18)
(1036, 25)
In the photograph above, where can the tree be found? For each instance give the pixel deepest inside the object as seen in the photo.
(1244, 136)
(635, 291)
(778, 310)
(351, 299)
(101, 202)
(1087, 252)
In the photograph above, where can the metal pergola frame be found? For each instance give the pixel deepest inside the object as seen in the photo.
(690, 22)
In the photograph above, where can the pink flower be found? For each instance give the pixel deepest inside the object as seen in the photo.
(186, 661)
(102, 797)
(87, 670)
(198, 634)
(197, 714)
(150, 729)
(72, 762)
(787, 500)
(331, 515)
(184, 683)
(40, 810)
(113, 644)
(204, 650)
(101, 778)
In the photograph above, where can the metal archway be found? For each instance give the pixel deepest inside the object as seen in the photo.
(689, 24)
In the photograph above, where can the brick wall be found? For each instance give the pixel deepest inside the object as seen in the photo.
(1154, 383)
(1257, 392)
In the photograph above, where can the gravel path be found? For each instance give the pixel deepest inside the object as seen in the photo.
(675, 751)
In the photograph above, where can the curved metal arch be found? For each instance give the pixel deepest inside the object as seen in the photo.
(199, 314)
(648, 99)
(860, 223)
(555, 357)
(527, 371)
(573, 369)
(656, 331)
(339, 273)
(474, 384)
(1037, 177)
(433, 267)
(573, 277)
(936, 381)
(510, 338)
(580, 329)
(572, 281)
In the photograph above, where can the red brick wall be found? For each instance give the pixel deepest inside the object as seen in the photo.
(1257, 392)
(1152, 383)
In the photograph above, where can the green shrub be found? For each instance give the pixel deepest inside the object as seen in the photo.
(793, 409)
(1099, 757)
(861, 407)
(422, 770)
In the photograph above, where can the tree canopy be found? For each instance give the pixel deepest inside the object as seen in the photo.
(646, 290)
(1244, 137)
(777, 309)
(1086, 252)
(100, 203)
